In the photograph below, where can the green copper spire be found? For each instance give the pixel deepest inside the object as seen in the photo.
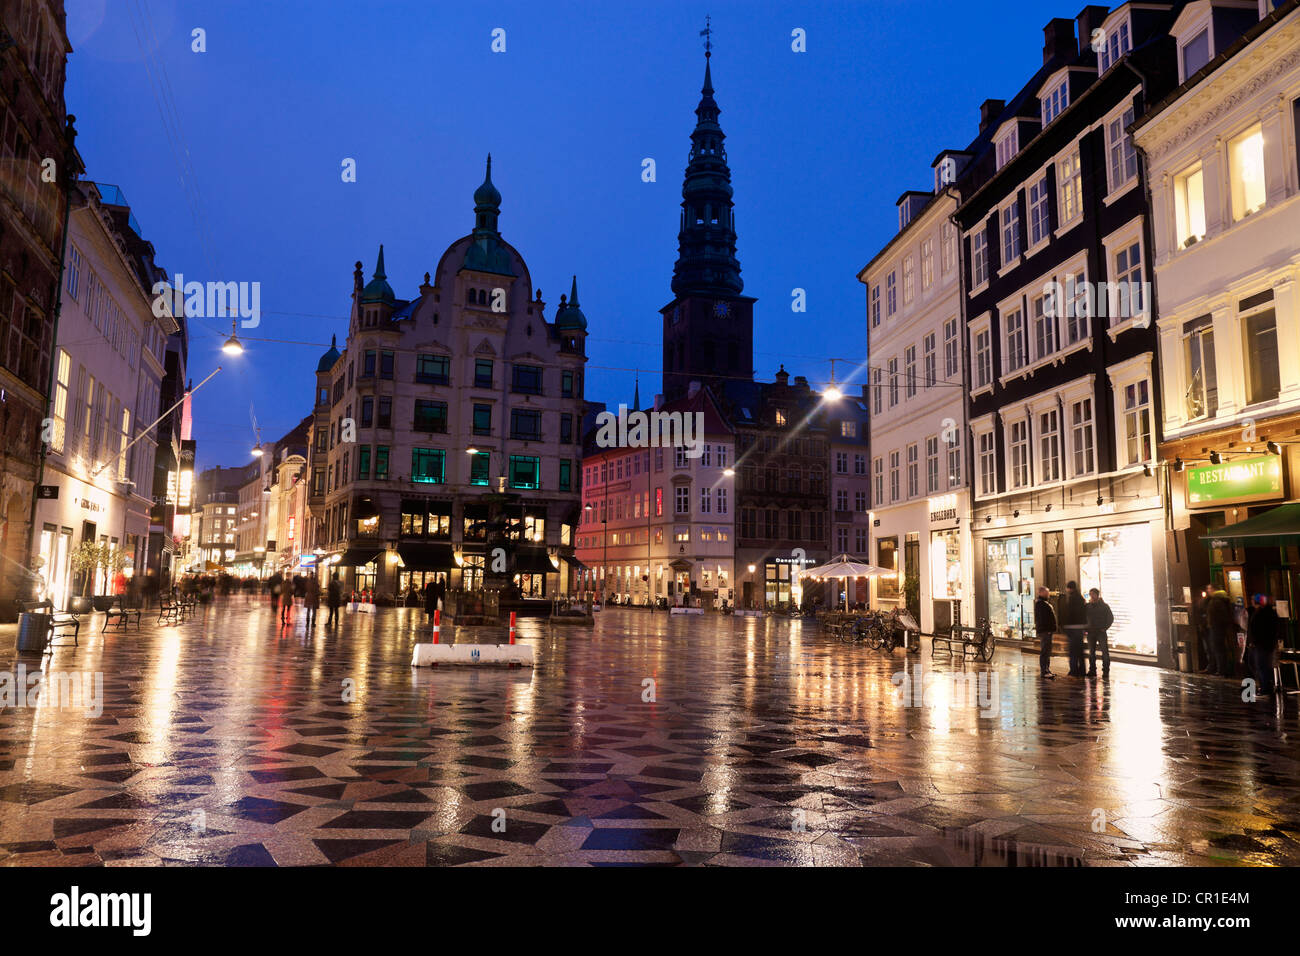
(379, 290)
(570, 317)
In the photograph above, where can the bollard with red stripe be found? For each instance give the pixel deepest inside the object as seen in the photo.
(437, 624)
(512, 627)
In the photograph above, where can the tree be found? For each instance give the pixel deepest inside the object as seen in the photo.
(85, 559)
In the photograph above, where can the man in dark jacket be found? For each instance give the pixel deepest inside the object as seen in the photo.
(1223, 628)
(1045, 628)
(333, 598)
(1261, 643)
(1100, 619)
(1074, 621)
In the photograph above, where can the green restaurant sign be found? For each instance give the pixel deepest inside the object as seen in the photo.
(1246, 479)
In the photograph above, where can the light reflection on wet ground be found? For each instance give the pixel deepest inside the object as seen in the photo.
(646, 739)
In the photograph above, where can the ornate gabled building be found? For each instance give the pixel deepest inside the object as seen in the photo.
(449, 426)
(708, 328)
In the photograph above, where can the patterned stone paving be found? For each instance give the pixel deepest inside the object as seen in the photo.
(232, 741)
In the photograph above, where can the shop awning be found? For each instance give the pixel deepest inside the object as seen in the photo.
(1278, 527)
(426, 557)
(354, 557)
(533, 560)
(574, 563)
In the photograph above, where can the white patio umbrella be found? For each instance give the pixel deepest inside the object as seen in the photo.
(843, 566)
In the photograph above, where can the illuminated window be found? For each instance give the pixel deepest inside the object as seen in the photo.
(1246, 171)
(1189, 206)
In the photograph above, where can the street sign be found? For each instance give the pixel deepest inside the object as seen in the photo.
(47, 491)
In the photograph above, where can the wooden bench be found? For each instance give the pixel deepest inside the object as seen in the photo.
(57, 619)
(120, 615)
(978, 638)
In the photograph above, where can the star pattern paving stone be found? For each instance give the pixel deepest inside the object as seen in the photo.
(230, 740)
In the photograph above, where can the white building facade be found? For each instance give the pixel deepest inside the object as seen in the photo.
(920, 505)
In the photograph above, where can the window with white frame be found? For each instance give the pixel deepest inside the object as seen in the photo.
(949, 252)
(1078, 307)
(1013, 323)
(1081, 437)
(1043, 318)
(1195, 53)
(1056, 100)
(1039, 220)
(987, 456)
(1018, 446)
(1128, 298)
(1246, 172)
(932, 464)
(1010, 233)
(875, 305)
(913, 470)
(954, 458)
(1189, 206)
(722, 502)
(878, 480)
(951, 349)
(682, 500)
(1007, 147)
(929, 360)
(1122, 157)
(1069, 186)
(1049, 446)
(893, 476)
(877, 388)
(909, 279)
(1137, 422)
(927, 263)
(1263, 378)
(983, 363)
(893, 382)
(909, 371)
(706, 501)
(891, 294)
(979, 256)
(1116, 43)
(1202, 397)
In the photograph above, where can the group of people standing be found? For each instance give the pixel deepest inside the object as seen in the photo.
(1079, 619)
(285, 592)
(1237, 641)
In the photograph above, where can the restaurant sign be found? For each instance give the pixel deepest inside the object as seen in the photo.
(1246, 479)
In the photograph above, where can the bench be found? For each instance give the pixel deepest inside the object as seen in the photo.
(57, 619)
(978, 638)
(169, 609)
(120, 615)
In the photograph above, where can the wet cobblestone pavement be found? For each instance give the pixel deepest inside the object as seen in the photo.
(229, 740)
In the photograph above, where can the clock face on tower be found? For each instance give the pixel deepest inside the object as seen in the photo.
(721, 309)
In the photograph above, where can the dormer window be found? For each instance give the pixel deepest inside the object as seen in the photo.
(1195, 53)
(1116, 44)
(1055, 102)
(1007, 147)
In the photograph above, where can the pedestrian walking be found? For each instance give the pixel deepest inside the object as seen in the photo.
(1100, 618)
(1074, 621)
(1262, 644)
(430, 599)
(333, 598)
(311, 600)
(286, 603)
(1223, 629)
(1045, 628)
(275, 584)
(1202, 623)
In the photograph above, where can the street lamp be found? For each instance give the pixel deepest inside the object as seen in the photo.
(233, 346)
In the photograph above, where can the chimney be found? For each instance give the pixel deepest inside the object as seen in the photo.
(989, 111)
(801, 381)
(1089, 19)
(1059, 42)
(782, 376)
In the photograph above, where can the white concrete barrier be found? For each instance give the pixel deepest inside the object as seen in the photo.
(431, 655)
(686, 610)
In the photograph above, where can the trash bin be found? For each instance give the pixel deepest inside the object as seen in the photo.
(33, 632)
(1180, 616)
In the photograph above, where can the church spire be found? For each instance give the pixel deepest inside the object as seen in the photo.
(706, 241)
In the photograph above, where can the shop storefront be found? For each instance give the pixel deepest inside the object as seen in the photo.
(1117, 561)
(1009, 585)
(71, 511)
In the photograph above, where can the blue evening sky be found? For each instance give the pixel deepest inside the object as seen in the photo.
(820, 144)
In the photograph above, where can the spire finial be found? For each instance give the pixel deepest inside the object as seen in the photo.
(489, 168)
(379, 265)
(707, 33)
(573, 294)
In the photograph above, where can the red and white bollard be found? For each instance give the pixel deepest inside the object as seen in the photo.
(512, 627)
(437, 624)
